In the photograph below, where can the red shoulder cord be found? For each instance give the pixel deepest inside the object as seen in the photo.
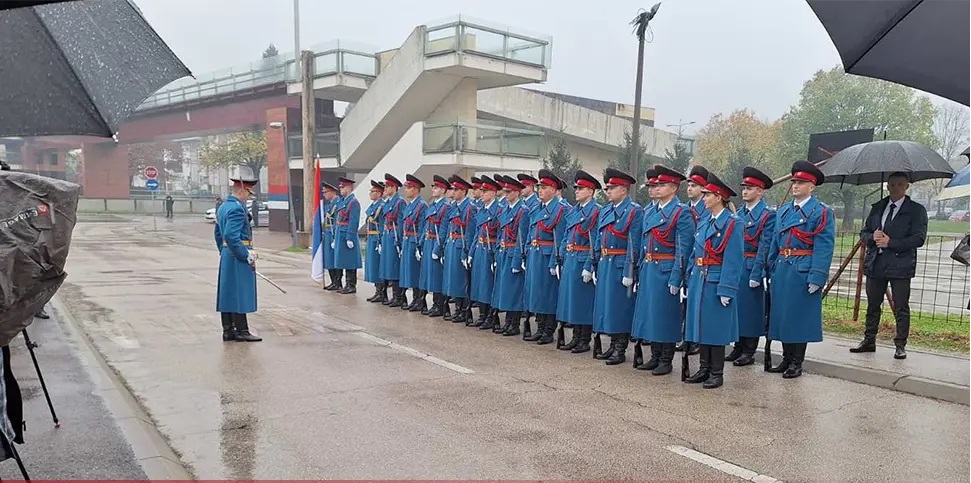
(807, 236)
(468, 212)
(512, 229)
(585, 232)
(754, 239)
(548, 228)
(715, 252)
(622, 234)
(412, 221)
(662, 235)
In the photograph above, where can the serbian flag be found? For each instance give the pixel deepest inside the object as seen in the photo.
(317, 244)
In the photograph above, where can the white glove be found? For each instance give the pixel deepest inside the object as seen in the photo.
(465, 263)
(379, 249)
(725, 301)
(587, 276)
(434, 256)
(672, 290)
(493, 267)
(627, 281)
(813, 288)
(251, 258)
(470, 261)
(754, 284)
(555, 271)
(595, 278)
(517, 270)
(350, 244)
(418, 254)
(332, 245)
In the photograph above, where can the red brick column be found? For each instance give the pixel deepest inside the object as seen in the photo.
(276, 170)
(106, 171)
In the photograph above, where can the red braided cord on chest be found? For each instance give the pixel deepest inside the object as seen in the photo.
(662, 235)
(586, 232)
(807, 236)
(392, 215)
(345, 213)
(412, 221)
(512, 229)
(622, 234)
(468, 215)
(754, 238)
(716, 252)
(547, 228)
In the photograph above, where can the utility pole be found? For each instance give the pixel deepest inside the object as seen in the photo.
(296, 28)
(640, 24)
(307, 106)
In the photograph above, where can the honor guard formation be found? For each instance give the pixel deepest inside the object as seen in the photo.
(672, 276)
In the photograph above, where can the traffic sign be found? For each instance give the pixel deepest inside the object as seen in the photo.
(151, 184)
(151, 172)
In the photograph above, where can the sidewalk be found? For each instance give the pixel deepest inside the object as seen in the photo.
(928, 374)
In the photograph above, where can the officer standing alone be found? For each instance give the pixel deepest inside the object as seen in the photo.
(236, 286)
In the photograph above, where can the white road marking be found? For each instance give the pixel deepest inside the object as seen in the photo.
(415, 353)
(721, 465)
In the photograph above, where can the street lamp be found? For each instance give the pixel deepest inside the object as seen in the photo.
(293, 218)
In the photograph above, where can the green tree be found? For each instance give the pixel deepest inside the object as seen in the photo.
(678, 160)
(727, 144)
(270, 51)
(564, 164)
(245, 149)
(621, 162)
(833, 101)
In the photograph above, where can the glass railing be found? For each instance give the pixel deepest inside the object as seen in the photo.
(463, 34)
(484, 139)
(327, 145)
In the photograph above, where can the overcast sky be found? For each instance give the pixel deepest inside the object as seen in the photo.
(707, 56)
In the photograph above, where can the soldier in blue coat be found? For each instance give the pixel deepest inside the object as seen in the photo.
(430, 253)
(412, 218)
(390, 247)
(799, 259)
(667, 235)
(759, 222)
(328, 232)
(619, 237)
(482, 253)
(475, 194)
(236, 286)
(372, 258)
(697, 179)
(458, 240)
(501, 195)
(717, 254)
(347, 249)
(577, 291)
(541, 234)
(531, 201)
(510, 262)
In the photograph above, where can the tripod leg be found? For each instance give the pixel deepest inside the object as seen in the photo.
(47, 395)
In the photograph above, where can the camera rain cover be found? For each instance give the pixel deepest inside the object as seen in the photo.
(37, 217)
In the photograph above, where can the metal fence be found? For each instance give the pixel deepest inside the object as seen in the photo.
(939, 295)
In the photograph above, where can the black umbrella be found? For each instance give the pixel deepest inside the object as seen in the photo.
(873, 162)
(918, 43)
(8, 4)
(79, 67)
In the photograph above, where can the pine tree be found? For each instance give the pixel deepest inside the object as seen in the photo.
(678, 160)
(563, 164)
(270, 52)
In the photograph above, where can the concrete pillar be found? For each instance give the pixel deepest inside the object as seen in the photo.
(276, 171)
(106, 173)
(309, 130)
(459, 106)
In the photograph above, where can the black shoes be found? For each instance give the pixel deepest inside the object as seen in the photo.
(900, 353)
(41, 314)
(866, 345)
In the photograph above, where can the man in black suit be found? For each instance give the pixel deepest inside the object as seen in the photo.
(894, 229)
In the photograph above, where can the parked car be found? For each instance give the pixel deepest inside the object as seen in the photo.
(960, 215)
(264, 213)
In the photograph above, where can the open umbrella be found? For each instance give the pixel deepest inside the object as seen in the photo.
(918, 43)
(78, 67)
(958, 187)
(8, 4)
(873, 162)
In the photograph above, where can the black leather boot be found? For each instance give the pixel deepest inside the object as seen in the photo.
(560, 336)
(586, 331)
(655, 359)
(736, 350)
(461, 314)
(540, 329)
(549, 327)
(414, 299)
(716, 354)
(351, 286)
(483, 315)
(496, 323)
(388, 284)
(229, 332)
(797, 354)
(438, 305)
(242, 329)
(619, 343)
(601, 354)
(446, 308)
(664, 365)
(575, 341)
(377, 293)
(336, 283)
(693, 348)
(784, 365)
(527, 329)
(423, 308)
(704, 367)
(490, 321)
(638, 352)
(397, 298)
(333, 281)
(512, 323)
(749, 346)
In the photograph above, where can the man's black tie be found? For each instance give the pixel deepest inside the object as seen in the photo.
(889, 217)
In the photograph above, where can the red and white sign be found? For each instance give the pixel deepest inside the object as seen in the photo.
(151, 172)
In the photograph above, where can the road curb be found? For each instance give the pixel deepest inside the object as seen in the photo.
(915, 385)
(157, 459)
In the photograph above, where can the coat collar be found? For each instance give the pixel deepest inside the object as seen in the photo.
(716, 226)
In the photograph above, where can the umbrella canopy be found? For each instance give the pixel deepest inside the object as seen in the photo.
(918, 43)
(958, 187)
(8, 4)
(78, 68)
(873, 162)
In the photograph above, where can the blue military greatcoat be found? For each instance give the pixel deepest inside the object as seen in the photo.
(236, 285)
(576, 297)
(717, 263)
(328, 230)
(482, 251)
(348, 219)
(618, 233)
(667, 237)
(460, 217)
(510, 276)
(759, 225)
(391, 238)
(372, 259)
(800, 254)
(412, 218)
(542, 233)
(431, 249)
(698, 210)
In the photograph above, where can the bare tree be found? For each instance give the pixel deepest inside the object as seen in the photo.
(952, 131)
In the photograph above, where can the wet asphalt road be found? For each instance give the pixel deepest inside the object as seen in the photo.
(88, 445)
(341, 388)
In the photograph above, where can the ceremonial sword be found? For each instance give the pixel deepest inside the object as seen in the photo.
(258, 274)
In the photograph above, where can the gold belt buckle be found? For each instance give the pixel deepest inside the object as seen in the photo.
(700, 262)
(647, 257)
(786, 252)
(535, 243)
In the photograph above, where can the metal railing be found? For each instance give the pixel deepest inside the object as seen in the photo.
(463, 34)
(327, 145)
(483, 139)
